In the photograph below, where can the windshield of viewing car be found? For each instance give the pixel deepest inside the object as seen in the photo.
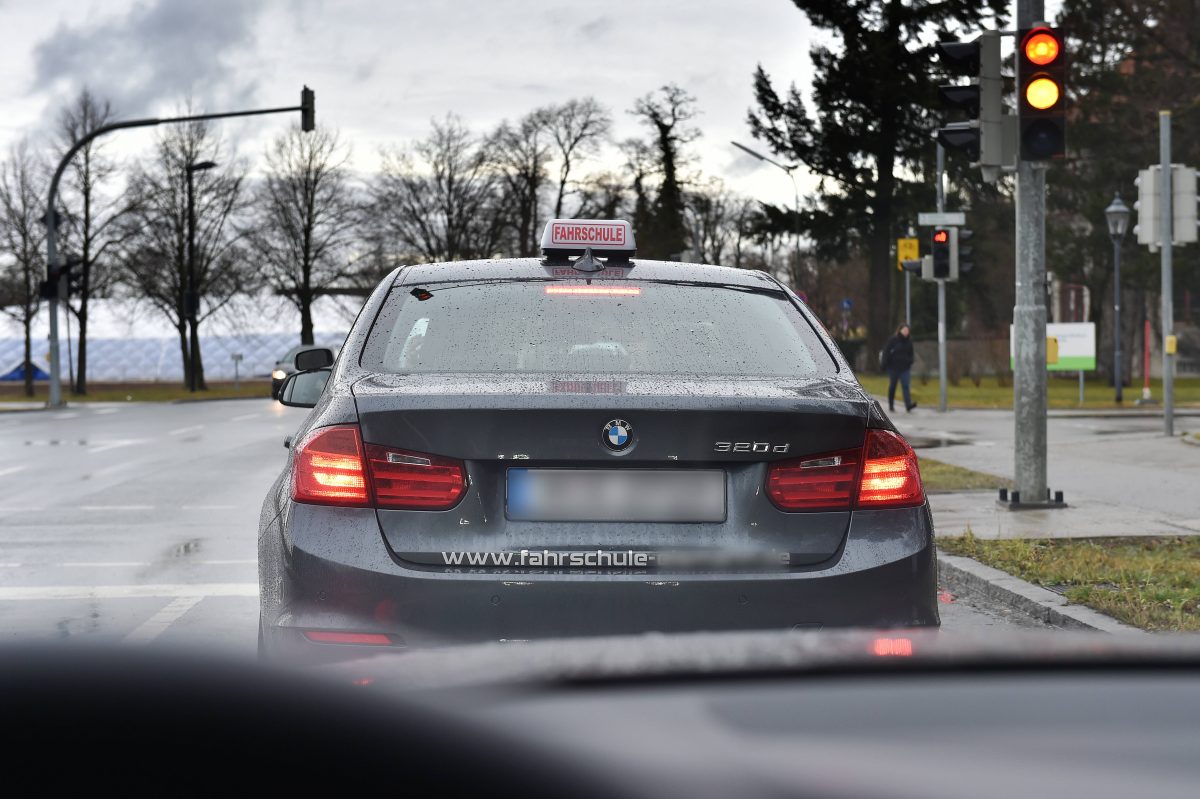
(633, 327)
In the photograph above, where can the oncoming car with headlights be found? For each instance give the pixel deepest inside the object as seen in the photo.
(586, 443)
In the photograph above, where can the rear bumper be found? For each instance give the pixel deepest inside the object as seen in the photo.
(328, 569)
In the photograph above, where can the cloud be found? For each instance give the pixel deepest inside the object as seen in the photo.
(160, 51)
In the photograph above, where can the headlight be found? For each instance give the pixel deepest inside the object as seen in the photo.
(278, 374)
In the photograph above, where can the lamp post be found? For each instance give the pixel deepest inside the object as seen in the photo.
(191, 300)
(789, 169)
(1117, 215)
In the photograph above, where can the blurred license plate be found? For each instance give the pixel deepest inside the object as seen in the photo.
(616, 495)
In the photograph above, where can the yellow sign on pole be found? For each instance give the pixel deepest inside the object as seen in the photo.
(907, 250)
(1051, 350)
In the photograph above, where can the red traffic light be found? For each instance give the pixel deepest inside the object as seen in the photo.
(941, 236)
(1041, 46)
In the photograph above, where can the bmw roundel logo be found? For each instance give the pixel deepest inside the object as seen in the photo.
(617, 434)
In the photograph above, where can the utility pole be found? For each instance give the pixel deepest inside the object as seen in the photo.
(941, 284)
(1029, 315)
(1166, 234)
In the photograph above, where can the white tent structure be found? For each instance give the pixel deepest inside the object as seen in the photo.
(130, 340)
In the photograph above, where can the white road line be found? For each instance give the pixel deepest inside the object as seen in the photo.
(105, 446)
(10, 565)
(42, 592)
(228, 562)
(245, 417)
(100, 564)
(11, 470)
(208, 507)
(157, 624)
(106, 411)
(65, 416)
(181, 430)
(116, 507)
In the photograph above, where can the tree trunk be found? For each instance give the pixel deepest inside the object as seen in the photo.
(306, 322)
(183, 354)
(197, 360)
(81, 352)
(28, 359)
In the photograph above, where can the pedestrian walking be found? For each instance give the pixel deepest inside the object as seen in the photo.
(897, 361)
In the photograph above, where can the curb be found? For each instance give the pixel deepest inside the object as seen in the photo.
(970, 577)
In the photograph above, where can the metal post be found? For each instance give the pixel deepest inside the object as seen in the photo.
(190, 296)
(1167, 221)
(1029, 315)
(55, 400)
(941, 321)
(908, 299)
(1117, 319)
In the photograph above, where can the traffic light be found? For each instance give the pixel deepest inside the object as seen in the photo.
(941, 250)
(961, 252)
(1146, 207)
(981, 138)
(1183, 204)
(308, 111)
(1041, 93)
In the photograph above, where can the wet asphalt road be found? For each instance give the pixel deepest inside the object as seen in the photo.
(138, 523)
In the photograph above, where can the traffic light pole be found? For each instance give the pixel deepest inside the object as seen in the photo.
(941, 284)
(55, 399)
(1166, 217)
(1029, 315)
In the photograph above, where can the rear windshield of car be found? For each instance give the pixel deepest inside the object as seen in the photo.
(600, 327)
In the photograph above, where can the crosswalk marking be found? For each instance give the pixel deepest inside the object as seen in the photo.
(157, 624)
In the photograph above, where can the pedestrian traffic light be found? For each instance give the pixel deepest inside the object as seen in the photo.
(980, 138)
(941, 253)
(1183, 204)
(308, 111)
(1041, 93)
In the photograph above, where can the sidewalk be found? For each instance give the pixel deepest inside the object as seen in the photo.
(977, 511)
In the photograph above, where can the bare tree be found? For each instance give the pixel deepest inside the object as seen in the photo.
(307, 215)
(604, 195)
(22, 238)
(722, 224)
(520, 153)
(91, 218)
(155, 257)
(440, 199)
(579, 127)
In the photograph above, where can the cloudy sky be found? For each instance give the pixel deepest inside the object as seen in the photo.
(382, 69)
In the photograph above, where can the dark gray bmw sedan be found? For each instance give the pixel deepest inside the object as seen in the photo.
(586, 444)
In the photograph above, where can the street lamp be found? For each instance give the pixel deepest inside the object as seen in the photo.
(789, 170)
(191, 301)
(1117, 215)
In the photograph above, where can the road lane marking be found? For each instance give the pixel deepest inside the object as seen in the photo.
(105, 446)
(41, 592)
(116, 507)
(65, 416)
(11, 470)
(106, 411)
(245, 417)
(10, 565)
(157, 624)
(102, 563)
(178, 431)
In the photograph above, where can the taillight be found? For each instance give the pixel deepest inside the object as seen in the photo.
(328, 468)
(414, 480)
(821, 482)
(883, 474)
(891, 477)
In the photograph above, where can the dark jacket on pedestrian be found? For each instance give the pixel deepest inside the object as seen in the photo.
(898, 354)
